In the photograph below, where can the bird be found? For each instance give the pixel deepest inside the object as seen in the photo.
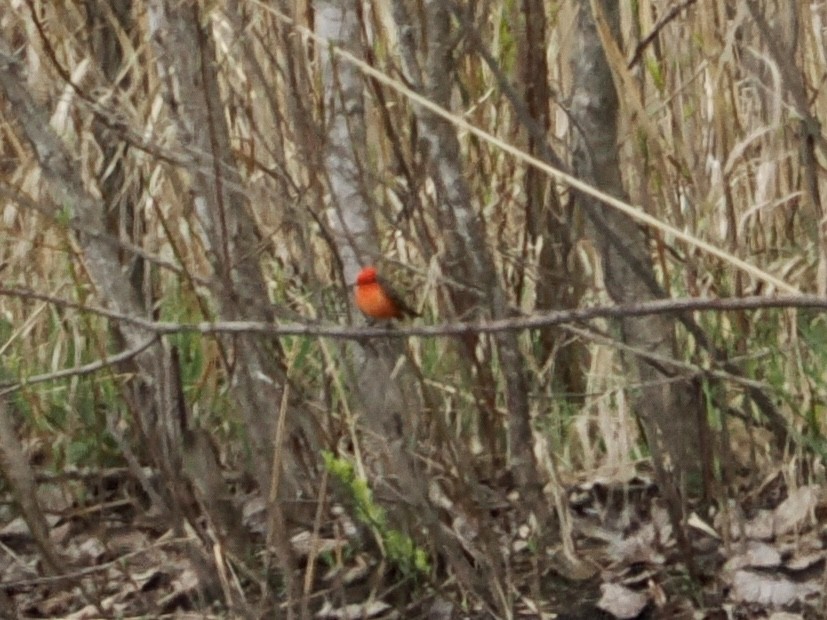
(377, 299)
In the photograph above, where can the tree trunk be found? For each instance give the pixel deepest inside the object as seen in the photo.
(468, 259)
(669, 410)
(549, 223)
(386, 389)
(186, 64)
(390, 401)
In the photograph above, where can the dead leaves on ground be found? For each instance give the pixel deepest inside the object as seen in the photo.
(762, 557)
(754, 563)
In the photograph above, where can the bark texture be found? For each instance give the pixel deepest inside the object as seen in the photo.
(474, 290)
(186, 64)
(550, 226)
(185, 57)
(389, 400)
(668, 409)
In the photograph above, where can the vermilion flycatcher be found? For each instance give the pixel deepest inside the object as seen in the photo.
(377, 299)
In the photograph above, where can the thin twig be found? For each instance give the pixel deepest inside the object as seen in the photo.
(647, 40)
(18, 196)
(78, 371)
(349, 332)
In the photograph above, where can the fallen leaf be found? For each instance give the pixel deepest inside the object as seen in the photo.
(760, 527)
(91, 549)
(441, 609)
(804, 561)
(794, 510)
(699, 524)
(640, 547)
(352, 612)
(750, 587)
(303, 544)
(621, 602)
(572, 568)
(756, 554)
(18, 528)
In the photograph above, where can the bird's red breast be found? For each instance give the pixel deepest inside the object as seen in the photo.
(377, 299)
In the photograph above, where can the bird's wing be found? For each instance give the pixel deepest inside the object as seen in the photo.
(396, 298)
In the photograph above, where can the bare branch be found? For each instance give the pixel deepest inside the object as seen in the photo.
(78, 371)
(647, 40)
(347, 332)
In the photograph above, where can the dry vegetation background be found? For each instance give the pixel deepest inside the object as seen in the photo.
(171, 166)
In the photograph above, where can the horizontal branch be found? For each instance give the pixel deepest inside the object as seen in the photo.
(78, 371)
(350, 332)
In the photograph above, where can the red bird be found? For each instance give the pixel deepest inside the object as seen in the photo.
(377, 299)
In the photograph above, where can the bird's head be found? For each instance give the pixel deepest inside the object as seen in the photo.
(366, 276)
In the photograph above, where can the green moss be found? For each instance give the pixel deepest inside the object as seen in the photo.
(399, 548)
